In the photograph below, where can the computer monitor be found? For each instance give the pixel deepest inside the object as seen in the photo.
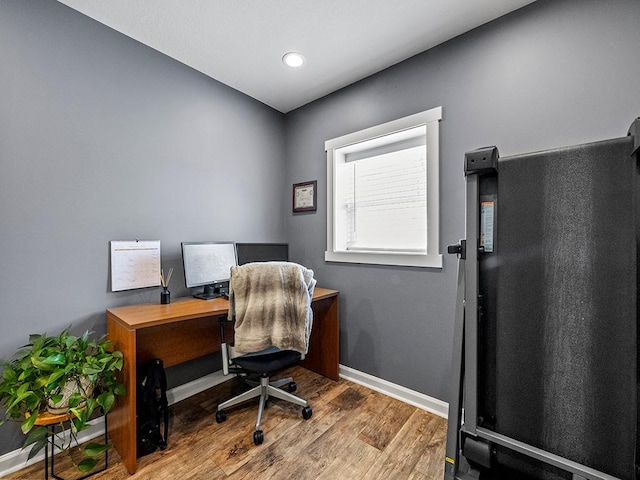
(262, 252)
(208, 264)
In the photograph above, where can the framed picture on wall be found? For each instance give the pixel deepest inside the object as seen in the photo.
(305, 196)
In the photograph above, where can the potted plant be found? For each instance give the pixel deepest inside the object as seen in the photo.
(70, 375)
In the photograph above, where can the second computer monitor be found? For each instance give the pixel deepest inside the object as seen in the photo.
(262, 252)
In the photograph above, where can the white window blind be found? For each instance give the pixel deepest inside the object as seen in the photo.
(385, 206)
(383, 199)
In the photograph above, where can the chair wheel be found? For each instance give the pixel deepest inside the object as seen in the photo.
(306, 413)
(221, 416)
(258, 437)
(292, 387)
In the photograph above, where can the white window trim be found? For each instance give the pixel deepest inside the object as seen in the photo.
(433, 258)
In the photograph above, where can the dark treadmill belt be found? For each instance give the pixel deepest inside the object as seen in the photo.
(566, 303)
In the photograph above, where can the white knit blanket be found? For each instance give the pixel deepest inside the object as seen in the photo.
(271, 304)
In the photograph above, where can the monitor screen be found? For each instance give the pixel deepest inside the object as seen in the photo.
(208, 264)
(262, 252)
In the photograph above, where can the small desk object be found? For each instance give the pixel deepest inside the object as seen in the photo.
(188, 328)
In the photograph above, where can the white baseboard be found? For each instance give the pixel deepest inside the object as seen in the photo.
(182, 392)
(417, 399)
(17, 459)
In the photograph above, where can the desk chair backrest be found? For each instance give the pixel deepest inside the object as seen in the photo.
(271, 305)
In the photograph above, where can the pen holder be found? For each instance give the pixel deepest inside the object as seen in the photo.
(165, 296)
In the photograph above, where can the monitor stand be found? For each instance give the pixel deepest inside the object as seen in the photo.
(210, 292)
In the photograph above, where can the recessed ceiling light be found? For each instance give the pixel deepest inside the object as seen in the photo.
(293, 59)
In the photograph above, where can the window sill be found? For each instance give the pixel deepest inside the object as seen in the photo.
(397, 259)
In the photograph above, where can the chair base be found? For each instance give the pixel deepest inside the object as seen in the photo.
(264, 390)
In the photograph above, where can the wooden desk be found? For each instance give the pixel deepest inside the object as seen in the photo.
(188, 328)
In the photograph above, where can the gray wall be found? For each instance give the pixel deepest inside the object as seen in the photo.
(555, 73)
(102, 138)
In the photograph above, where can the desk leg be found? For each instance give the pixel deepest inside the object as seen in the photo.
(122, 418)
(324, 344)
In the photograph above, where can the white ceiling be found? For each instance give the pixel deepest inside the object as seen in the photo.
(241, 42)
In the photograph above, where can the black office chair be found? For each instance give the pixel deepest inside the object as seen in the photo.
(270, 303)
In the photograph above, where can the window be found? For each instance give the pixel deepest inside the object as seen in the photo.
(382, 202)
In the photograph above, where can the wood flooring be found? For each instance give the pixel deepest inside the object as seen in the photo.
(354, 433)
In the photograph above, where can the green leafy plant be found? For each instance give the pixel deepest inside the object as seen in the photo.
(42, 371)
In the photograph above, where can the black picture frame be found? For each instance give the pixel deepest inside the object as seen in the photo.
(305, 196)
